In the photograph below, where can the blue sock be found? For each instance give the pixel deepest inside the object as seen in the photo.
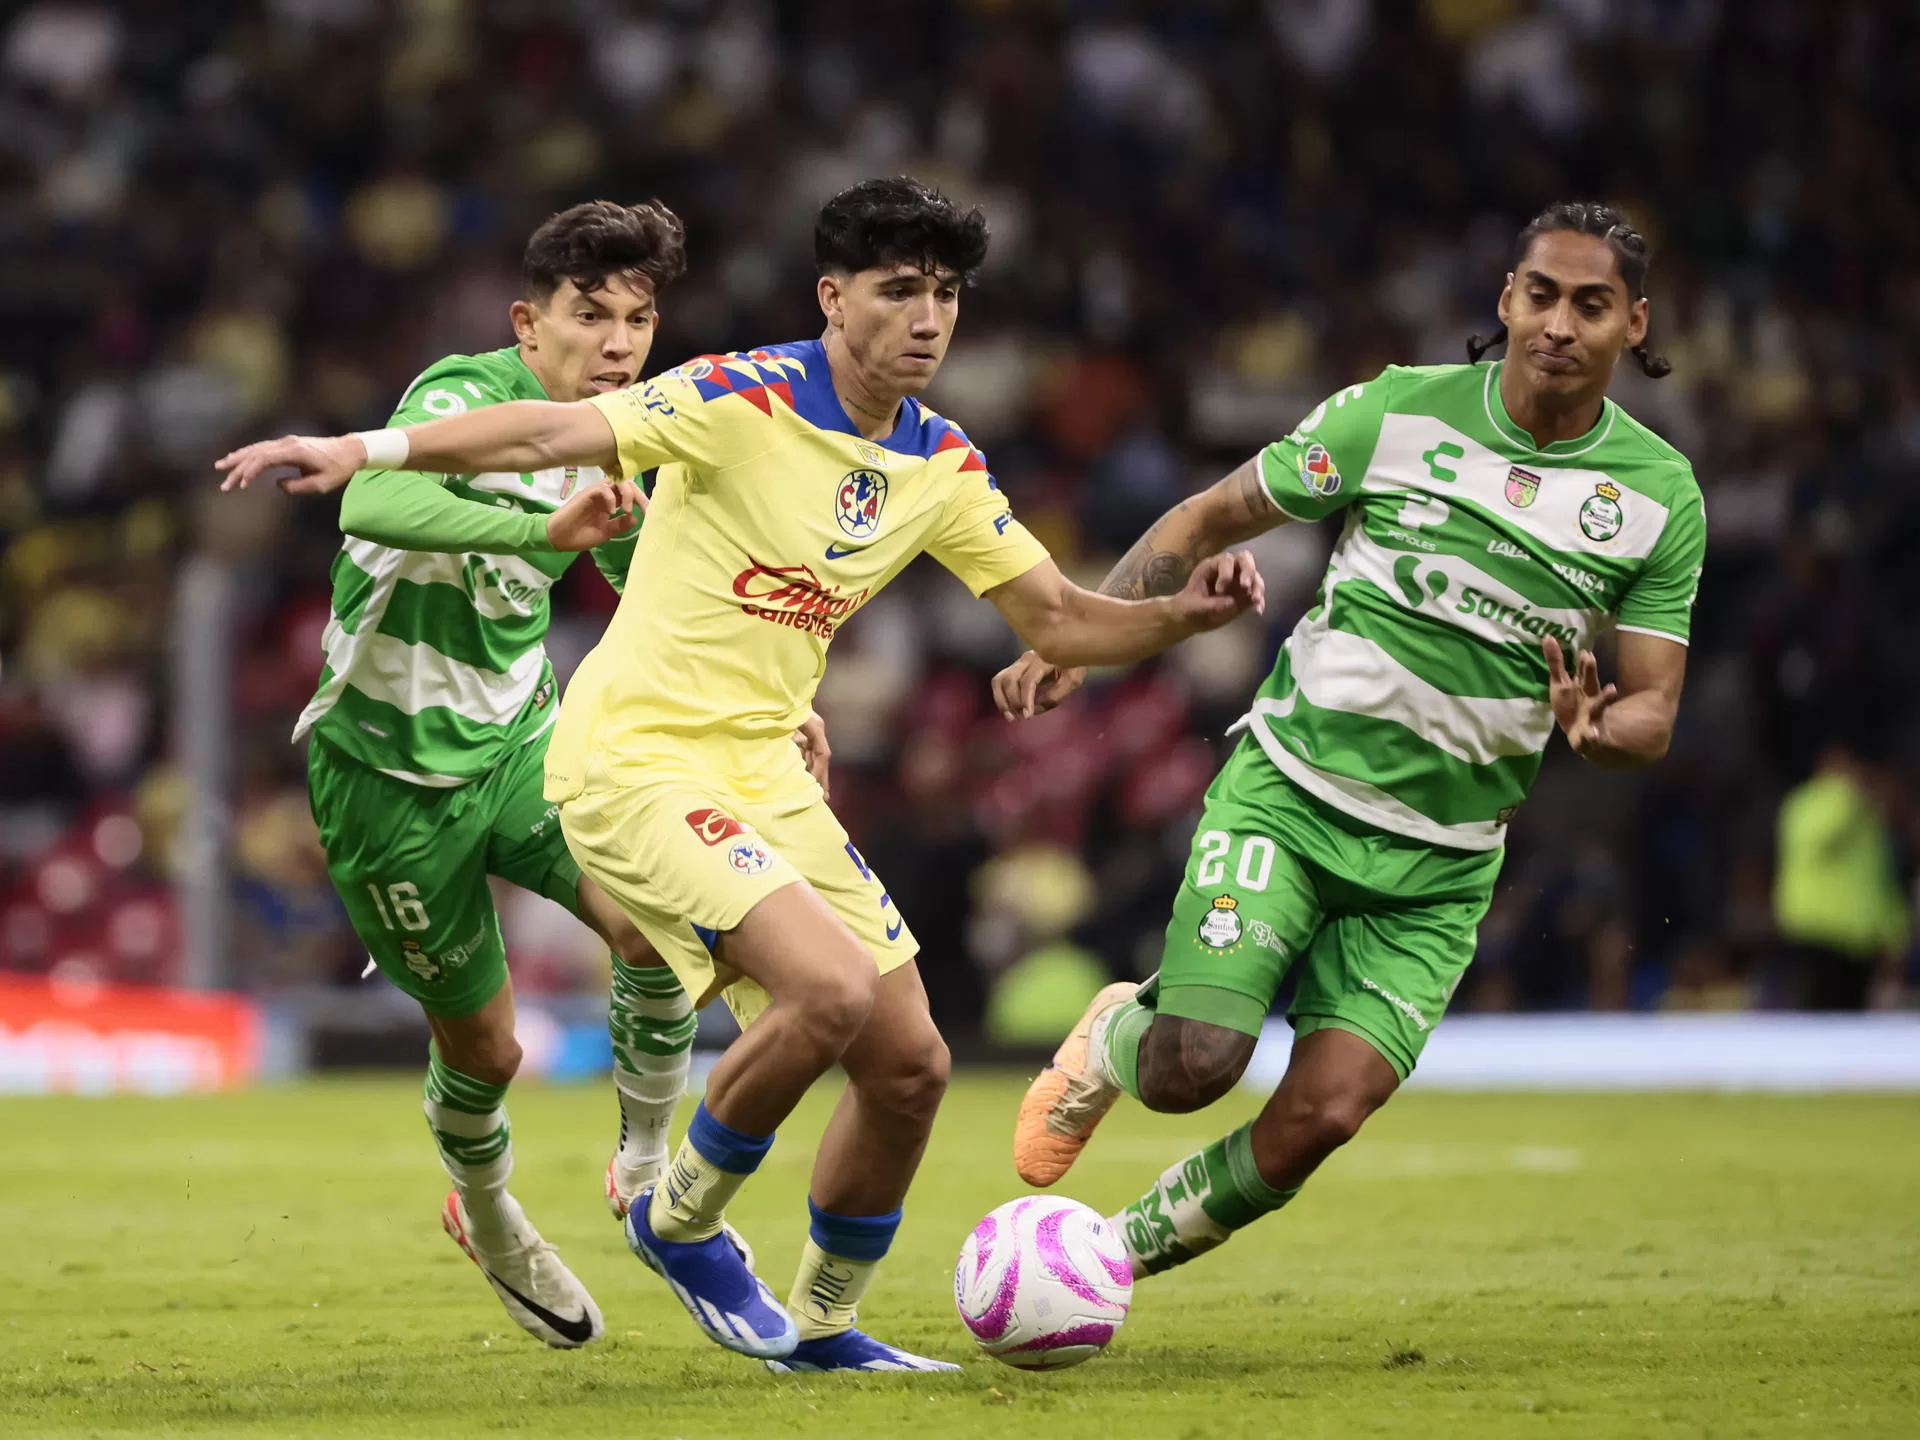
(712, 1163)
(852, 1237)
(734, 1151)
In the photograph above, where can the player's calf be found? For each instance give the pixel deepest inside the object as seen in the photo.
(1186, 1065)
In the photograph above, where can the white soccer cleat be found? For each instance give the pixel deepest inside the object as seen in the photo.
(544, 1298)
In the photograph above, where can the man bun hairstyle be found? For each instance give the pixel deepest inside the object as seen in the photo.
(1602, 222)
(592, 241)
(898, 221)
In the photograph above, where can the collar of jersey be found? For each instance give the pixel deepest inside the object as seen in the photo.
(524, 383)
(915, 433)
(1511, 433)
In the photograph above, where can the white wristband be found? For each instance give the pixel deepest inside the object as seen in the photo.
(386, 449)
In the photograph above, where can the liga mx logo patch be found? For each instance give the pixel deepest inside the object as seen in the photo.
(857, 504)
(1522, 486)
(1318, 473)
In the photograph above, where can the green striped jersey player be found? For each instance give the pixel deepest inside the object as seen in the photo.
(428, 737)
(1496, 518)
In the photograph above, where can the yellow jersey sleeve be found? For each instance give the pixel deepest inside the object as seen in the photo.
(668, 419)
(979, 540)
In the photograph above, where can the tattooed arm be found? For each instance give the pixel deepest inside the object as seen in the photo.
(1160, 563)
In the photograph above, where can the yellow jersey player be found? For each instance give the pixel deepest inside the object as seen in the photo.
(794, 482)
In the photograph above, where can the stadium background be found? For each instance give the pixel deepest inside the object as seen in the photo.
(225, 221)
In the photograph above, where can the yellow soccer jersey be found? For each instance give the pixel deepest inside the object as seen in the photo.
(771, 522)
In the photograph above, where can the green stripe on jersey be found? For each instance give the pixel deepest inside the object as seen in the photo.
(1413, 695)
(435, 666)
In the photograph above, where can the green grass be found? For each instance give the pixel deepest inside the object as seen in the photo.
(272, 1264)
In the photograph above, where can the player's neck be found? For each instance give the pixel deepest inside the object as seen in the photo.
(874, 412)
(1548, 419)
(531, 359)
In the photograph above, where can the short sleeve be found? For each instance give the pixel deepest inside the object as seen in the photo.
(669, 418)
(1660, 601)
(1318, 468)
(454, 386)
(979, 540)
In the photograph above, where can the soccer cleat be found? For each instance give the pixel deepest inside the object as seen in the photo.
(540, 1293)
(1066, 1100)
(713, 1281)
(851, 1350)
(624, 1183)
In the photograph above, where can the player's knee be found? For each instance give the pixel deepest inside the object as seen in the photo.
(834, 1002)
(492, 1059)
(633, 948)
(915, 1088)
(1186, 1065)
(1321, 1123)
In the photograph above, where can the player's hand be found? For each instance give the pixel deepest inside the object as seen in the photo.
(322, 464)
(1030, 686)
(1579, 700)
(812, 740)
(596, 515)
(1221, 588)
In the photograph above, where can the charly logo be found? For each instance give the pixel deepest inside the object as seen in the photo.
(1601, 516)
(1318, 473)
(858, 502)
(1522, 486)
(1220, 928)
(713, 826)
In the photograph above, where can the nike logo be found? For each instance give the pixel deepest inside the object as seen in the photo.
(578, 1331)
(893, 930)
(837, 552)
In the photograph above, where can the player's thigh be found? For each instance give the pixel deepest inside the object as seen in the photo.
(1387, 973)
(1246, 907)
(674, 854)
(410, 866)
(524, 841)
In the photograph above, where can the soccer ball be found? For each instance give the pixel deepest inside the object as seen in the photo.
(1043, 1283)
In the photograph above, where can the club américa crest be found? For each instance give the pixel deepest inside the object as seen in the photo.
(1522, 486)
(1220, 927)
(858, 502)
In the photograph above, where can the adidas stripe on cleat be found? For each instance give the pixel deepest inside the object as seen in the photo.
(713, 1281)
(853, 1350)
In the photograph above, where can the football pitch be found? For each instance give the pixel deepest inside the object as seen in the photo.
(271, 1264)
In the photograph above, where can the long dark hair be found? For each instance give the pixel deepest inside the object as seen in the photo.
(1603, 222)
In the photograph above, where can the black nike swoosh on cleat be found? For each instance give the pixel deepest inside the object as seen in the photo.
(578, 1331)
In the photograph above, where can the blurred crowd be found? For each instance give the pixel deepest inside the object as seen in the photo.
(227, 220)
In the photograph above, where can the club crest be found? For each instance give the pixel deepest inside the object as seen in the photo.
(1522, 486)
(1318, 473)
(1220, 929)
(858, 502)
(1601, 516)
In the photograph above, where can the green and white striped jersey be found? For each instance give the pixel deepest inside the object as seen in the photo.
(1413, 696)
(435, 662)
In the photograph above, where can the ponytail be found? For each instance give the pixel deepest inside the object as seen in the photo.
(1476, 347)
(1654, 367)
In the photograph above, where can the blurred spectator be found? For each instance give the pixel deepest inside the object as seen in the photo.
(1836, 898)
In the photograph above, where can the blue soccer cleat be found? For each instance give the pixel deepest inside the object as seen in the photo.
(851, 1350)
(724, 1297)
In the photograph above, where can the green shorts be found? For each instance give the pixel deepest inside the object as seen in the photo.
(411, 862)
(1383, 925)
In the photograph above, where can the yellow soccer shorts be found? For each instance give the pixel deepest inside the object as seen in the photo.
(687, 835)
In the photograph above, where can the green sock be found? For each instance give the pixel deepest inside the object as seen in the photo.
(651, 1022)
(1115, 1044)
(1197, 1204)
(468, 1118)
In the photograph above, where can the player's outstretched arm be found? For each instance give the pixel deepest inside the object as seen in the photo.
(1160, 562)
(521, 435)
(1626, 725)
(406, 511)
(1066, 625)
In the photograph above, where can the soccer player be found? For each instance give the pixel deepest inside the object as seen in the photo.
(431, 724)
(1498, 516)
(795, 481)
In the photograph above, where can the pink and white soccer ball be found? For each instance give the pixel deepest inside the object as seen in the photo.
(1043, 1283)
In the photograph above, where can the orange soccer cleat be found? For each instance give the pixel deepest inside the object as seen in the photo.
(1066, 1100)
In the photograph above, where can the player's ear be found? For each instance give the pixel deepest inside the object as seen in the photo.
(1505, 308)
(521, 313)
(1637, 322)
(827, 288)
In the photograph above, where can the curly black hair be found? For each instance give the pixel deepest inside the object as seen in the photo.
(898, 221)
(1602, 222)
(589, 242)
